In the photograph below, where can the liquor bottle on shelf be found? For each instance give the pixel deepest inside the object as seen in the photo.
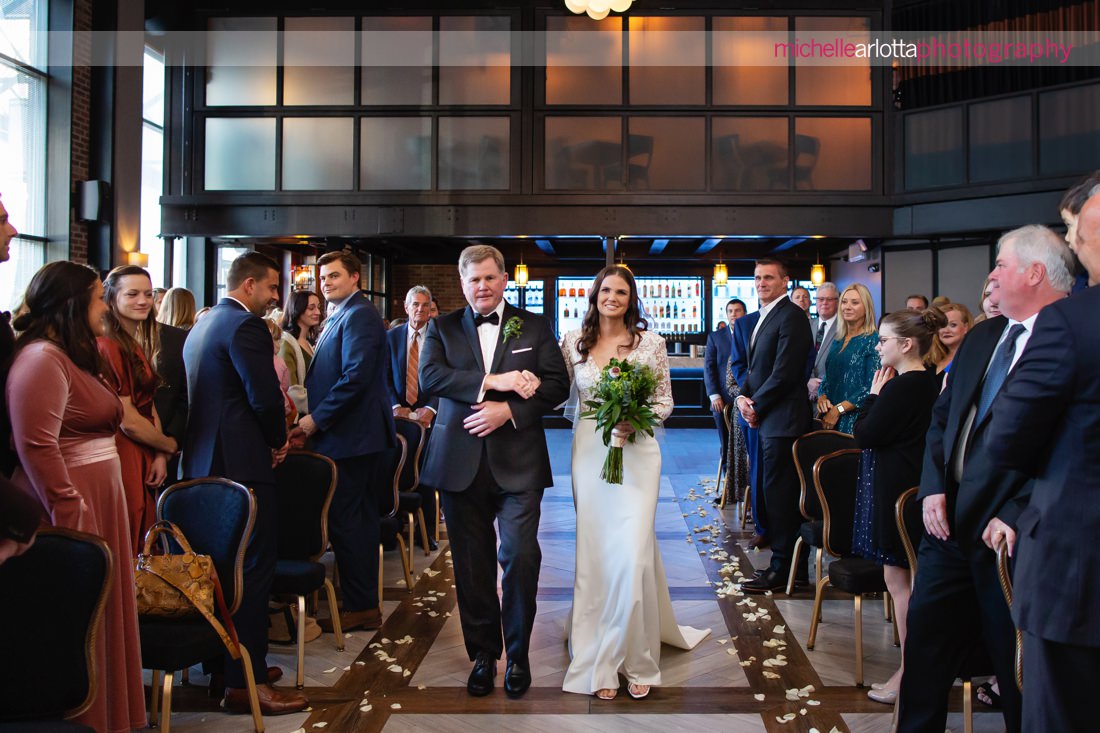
(694, 311)
(567, 311)
(561, 292)
(696, 289)
(666, 290)
(679, 291)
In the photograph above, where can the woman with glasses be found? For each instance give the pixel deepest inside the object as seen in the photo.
(890, 430)
(852, 361)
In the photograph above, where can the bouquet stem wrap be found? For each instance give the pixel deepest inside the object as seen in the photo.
(623, 395)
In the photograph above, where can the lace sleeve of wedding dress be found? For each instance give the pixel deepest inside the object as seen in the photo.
(662, 398)
(572, 402)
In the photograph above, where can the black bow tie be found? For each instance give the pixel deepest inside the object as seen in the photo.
(492, 318)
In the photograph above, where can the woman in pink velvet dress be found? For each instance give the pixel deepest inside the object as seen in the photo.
(64, 419)
(129, 349)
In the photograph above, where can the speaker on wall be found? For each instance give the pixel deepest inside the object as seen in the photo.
(92, 200)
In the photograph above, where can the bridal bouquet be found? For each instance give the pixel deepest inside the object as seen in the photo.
(623, 394)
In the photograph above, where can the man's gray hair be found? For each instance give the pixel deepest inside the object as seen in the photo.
(476, 253)
(1094, 190)
(828, 286)
(416, 290)
(1036, 243)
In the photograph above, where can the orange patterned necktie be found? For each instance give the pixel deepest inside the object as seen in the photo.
(411, 387)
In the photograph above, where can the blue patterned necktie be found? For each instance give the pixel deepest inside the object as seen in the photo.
(998, 372)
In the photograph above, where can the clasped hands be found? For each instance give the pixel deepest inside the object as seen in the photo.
(488, 416)
(747, 408)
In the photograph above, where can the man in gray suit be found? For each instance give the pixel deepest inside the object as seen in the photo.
(824, 328)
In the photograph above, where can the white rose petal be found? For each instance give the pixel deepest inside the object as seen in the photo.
(319, 725)
(395, 706)
(759, 696)
(330, 671)
(395, 668)
(365, 708)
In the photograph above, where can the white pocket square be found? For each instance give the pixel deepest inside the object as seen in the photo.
(520, 351)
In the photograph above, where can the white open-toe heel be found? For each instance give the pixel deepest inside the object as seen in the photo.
(638, 691)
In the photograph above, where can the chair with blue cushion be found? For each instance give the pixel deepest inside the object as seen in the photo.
(48, 673)
(216, 516)
(304, 484)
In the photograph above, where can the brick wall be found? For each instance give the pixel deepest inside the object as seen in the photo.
(81, 123)
(442, 280)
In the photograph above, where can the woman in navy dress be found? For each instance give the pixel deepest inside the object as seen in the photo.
(852, 361)
(890, 430)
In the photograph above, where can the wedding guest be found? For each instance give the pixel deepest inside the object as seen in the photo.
(916, 303)
(158, 298)
(890, 430)
(622, 610)
(129, 350)
(800, 296)
(959, 323)
(177, 308)
(435, 307)
(1070, 209)
(716, 356)
(988, 304)
(301, 323)
(851, 363)
(64, 419)
(281, 370)
(737, 453)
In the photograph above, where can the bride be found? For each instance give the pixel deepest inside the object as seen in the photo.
(622, 611)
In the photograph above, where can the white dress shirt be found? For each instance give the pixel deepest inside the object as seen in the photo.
(487, 334)
(765, 311)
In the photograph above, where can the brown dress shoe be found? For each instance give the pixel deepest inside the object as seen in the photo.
(352, 620)
(217, 681)
(758, 541)
(272, 701)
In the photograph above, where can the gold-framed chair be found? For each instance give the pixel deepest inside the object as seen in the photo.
(1005, 578)
(805, 451)
(304, 484)
(169, 644)
(393, 462)
(412, 499)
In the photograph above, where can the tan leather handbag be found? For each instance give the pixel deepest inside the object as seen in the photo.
(177, 586)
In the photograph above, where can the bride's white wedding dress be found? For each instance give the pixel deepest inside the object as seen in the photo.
(622, 611)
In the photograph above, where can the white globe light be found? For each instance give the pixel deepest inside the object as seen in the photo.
(599, 6)
(598, 15)
(621, 6)
(576, 6)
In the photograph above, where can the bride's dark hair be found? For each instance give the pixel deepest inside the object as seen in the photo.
(634, 317)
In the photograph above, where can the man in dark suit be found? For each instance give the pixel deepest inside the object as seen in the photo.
(171, 396)
(403, 381)
(351, 422)
(957, 599)
(1046, 424)
(739, 364)
(496, 370)
(773, 400)
(823, 326)
(715, 357)
(236, 429)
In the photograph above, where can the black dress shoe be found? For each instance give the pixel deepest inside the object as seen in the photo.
(758, 573)
(517, 679)
(769, 581)
(480, 682)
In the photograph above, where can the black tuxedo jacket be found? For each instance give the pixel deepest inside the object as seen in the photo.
(171, 395)
(452, 369)
(983, 491)
(1046, 423)
(775, 373)
(395, 375)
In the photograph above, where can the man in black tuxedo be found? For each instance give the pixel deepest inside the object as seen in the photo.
(403, 381)
(496, 371)
(1047, 425)
(715, 357)
(773, 401)
(957, 599)
(236, 429)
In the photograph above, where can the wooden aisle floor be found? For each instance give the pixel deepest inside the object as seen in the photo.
(411, 674)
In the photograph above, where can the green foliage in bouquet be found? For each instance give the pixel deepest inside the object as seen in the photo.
(623, 393)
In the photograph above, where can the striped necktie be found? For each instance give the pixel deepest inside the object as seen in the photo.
(411, 371)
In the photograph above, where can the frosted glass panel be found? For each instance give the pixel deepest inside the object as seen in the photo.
(666, 153)
(317, 153)
(240, 154)
(397, 61)
(473, 152)
(1069, 130)
(832, 154)
(674, 68)
(583, 152)
(750, 153)
(475, 60)
(240, 61)
(395, 153)
(584, 60)
(934, 148)
(319, 61)
(1000, 139)
(833, 85)
(737, 80)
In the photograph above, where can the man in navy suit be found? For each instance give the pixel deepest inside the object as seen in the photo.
(403, 379)
(715, 358)
(1046, 424)
(496, 370)
(351, 422)
(236, 429)
(957, 601)
(773, 400)
(739, 364)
